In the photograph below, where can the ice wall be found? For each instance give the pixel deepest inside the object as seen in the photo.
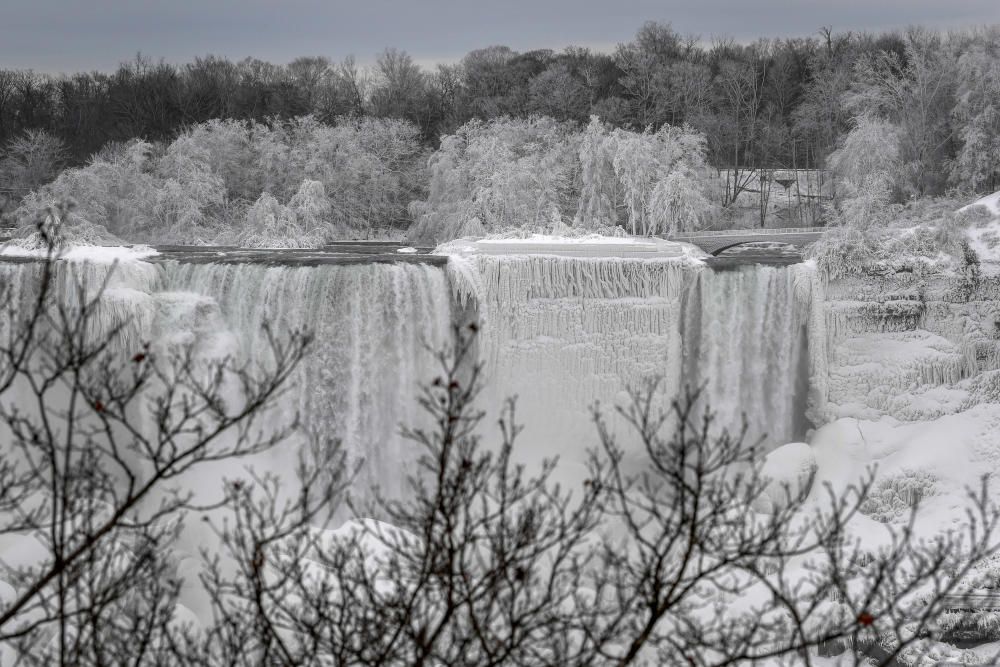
(126, 304)
(562, 333)
(374, 325)
(566, 332)
(910, 346)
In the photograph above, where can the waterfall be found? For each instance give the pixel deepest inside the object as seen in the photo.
(376, 327)
(566, 333)
(746, 343)
(562, 333)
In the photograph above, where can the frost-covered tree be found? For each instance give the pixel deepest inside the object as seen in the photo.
(598, 183)
(867, 166)
(915, 90)
(537, 175)
(30, 160)
(271, 224)
(662, 178)
(199, 187)
(676, 203)
(136, 191)
(636, 165)
(189, 195)
(311, 206)
(976, 115)
(113, 191)
(502, 175)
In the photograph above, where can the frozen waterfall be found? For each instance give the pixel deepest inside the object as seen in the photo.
(373, 324)
(565, 333)
(562, 333)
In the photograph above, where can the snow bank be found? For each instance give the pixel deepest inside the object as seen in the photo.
(913, 462)
(913, 392)
(789, 470)
(984, 231)
(991, 202)
(89, 253)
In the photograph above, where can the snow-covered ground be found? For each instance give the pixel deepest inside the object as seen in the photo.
(984, 232)
(913, 389)
(86, 253)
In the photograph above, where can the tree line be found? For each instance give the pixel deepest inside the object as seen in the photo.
(895, 116)
(770, 103)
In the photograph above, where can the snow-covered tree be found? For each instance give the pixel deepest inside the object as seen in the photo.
(30, 160)
(636, 164)
(189, 195)
(598, 184)
(201, 186)
(113, 191)
(915, 90)
(676, 203)
(662, 176)
(270, 224)
(976, 117)
(311, 206)
(867, 165)
(502, 175)
(538, 174)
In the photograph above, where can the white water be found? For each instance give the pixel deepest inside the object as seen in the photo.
(746, 342)
(561, 333)
(564, 334)
(373, 325)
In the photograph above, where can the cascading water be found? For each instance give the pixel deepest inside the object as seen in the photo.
(375, 328)
(566, 332)
(745, 343)
(560, 332)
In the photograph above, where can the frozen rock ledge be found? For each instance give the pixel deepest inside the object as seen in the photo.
(583, 246)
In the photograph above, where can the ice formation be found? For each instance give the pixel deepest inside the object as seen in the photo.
(900, 372)
(913, 387)
(374, 328)
(567, 324)
(565, 329)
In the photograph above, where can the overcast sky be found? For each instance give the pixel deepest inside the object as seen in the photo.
(73, 35)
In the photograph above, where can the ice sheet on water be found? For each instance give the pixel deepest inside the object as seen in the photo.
(88, 253)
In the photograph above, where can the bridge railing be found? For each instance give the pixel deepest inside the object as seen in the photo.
(972, 601)
(749, 232)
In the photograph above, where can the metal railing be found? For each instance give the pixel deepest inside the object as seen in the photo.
(972, 601)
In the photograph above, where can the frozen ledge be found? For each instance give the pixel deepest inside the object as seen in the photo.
(584, 246)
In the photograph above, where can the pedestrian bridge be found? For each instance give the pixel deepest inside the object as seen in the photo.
(715, 242)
